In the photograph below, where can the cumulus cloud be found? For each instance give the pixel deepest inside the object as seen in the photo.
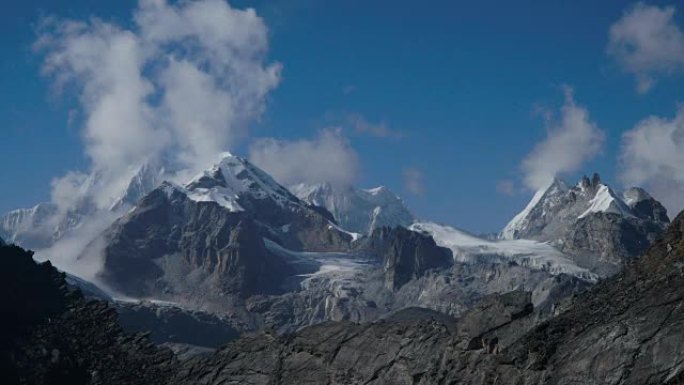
(326, 158)
(652, 156)
(414, 180)
(647, 42)
(177, 86)
(571, 140)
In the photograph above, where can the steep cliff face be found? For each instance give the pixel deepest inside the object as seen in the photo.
(406, 254)
(172, 246)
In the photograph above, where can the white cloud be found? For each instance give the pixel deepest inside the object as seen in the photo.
(325, 158)
(571, 141)
(647, 43)
(652, 156)
(414, 180)
(363, 126)
(506, 187)
(176, 87)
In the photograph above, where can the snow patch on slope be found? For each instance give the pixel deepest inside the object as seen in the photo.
(605, 201)
(325, 263)
(468, 248)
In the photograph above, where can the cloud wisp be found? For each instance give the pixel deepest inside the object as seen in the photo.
(362, 126)
(326, 158)
(652, 156)
(505, 187)
(647, 43)
(571, 140)
(414, 180)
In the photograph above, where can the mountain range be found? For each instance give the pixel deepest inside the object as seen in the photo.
(625, 330)
(233, 252)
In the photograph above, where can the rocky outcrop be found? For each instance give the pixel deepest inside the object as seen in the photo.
(341, 353)
(405, 254)
(168, 324)
(606, 242)
(52, 335)
(479, 325)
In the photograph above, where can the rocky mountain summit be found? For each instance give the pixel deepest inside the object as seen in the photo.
(205, 240)
(357, 210)
(601, 229)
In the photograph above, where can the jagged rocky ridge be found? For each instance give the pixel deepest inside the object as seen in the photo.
(600, 229)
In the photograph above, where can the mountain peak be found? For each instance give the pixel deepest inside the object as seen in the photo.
(232, 177)
(357, 210)
(571, 219)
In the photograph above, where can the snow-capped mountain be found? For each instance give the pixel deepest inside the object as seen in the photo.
(206, 238)
(146, 178)
(357, 210)
(598, 226)
(27, 227)
(39, 227)
(232, 240)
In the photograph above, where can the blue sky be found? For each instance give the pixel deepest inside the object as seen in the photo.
(462, 81)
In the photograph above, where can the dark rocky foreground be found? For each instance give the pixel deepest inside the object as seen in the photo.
(52, 335)
(629, 329)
